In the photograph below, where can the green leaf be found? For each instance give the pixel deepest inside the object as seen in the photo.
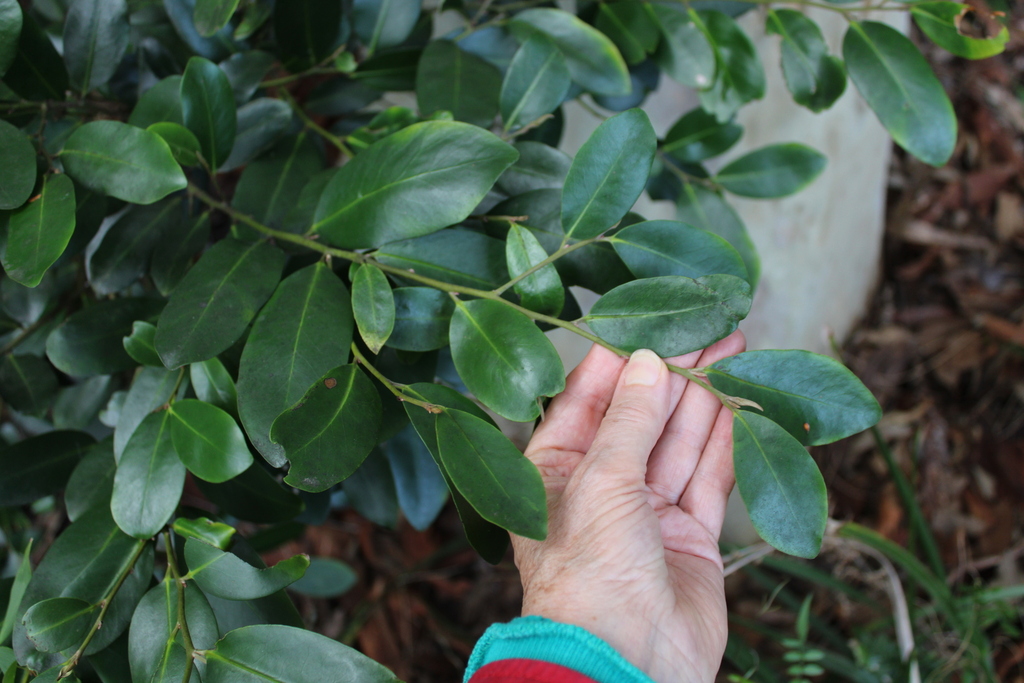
(266, 654)
(419, 483)
(306, 31)
(254, 496)
(706, 209)
(173, 253)
(539, 167)
(268, 186)
(593, 60)
(370, 491)
(698, 136)
(156, 650)
(205, 530)
(27, 383)
(122, 161)
(608, 174)
(18, 175)
(772, 171)
(208, 441)
(505, 361)
(160, 103)
(245, 70)
(91, 481)
(303, 331)
(38, 232)
(458, 256)
(59, 623)
(780, 484)
(18, 587)
(630, 27)
(260, 123)
(149, 480)
(211, 16)
(541, 291)
(897, 83)
(535, 84)
(656, 248)
(814, 77)
(739, 77)
(90, 341)
(183, 144)
(373, 306)
(37, 72)
(422, 316)
(140, 346)
(450, 79)
(124, 250)
(814, 398)
(498, 481)
(151, 389)
(685, 54)
(228, 576)
(208, 109)
(95, 38)
(212, 306)
(384, 23)
(413, 182)
(325, 578)
(213, 384)
(40, 465)
(331, 430)
(671, 315)
(10, 29)
(940, 21)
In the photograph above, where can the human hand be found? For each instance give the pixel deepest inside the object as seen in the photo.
(637, 463)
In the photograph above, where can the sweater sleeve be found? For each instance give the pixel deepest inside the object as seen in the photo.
(538, 641)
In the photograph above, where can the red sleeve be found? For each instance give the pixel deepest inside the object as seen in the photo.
(527, 671)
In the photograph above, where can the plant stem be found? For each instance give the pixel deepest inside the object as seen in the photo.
(311, 124)
(559, 253)
(683, 175)
(179, 583)
(394, 387)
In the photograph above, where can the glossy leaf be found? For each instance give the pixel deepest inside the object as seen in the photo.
(211, 16)
(413, 182)
(814, 398)
(91, 481)
(89, 342)
(656, 248)
(27, 383)
(773, 171)
(208, 109)
(370, 491)
(149, 479)
(630, 27)
(212, 306)
(422, 317)
(897, 83)
(608, 174)
(303, 331)
(384, 23)
(160, 103)
(539, 167)
(228, 576)
(139, 344)
(306, 31)
(59, 623)
(254, 496)
(815, 78)
(37, 72)
(38, 232)
(213, 384)
(780, 484)
(459, 256)
(123, 252)
(535, 84)
(698, 136)
(155, 648)
(498, 481)
(450, 79)
(739, 77)
(685, 53)
(151, 389)
(941, 21)
(266, 654)
(183, 143)
(18, 587)
(208, 441)
(122, 161)
(202, 529)
(326, 577)
(708, 210)
(18, 174)
(40, 465)
(245, 71)
(593, 60)
(419, 482)
(542, 290)
(173, 253)
(260, 124)
(670, 315)
(10, 29)
(95, 39)
(269, 185)
(373, 306)
(331, 430)
(503, 358)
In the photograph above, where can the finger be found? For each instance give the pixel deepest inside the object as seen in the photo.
(572, 417)
(633, 422)
(707, 494)
(677, 453)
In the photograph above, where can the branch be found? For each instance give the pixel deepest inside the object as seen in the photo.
(394, 387)
(180, 583)
(559, 253)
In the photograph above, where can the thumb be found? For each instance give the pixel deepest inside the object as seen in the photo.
(634, 421)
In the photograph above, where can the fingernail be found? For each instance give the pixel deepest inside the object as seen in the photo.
(643, 369)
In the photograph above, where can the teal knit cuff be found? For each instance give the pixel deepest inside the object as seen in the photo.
(550, 641)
